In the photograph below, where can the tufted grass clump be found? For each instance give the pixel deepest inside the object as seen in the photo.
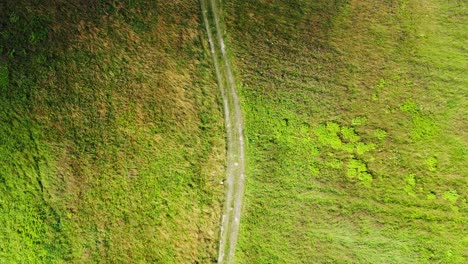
(359, 121)
(347, 140)
(380, 134)
(410, 185)
(349, 134)
(451, 196)
(342, 138)
(358, 169)
(328, 135)
(432, 163)
(424, 127)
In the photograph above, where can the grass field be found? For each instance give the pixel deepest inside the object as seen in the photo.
(111, 133)
(355, 120)
(112, 140)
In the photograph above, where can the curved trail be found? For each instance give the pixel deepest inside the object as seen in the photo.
(234, 128)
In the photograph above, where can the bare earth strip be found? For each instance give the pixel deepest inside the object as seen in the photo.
(234, 129)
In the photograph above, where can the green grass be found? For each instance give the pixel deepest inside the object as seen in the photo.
(111, 133)
(112, 139)
(355, 119)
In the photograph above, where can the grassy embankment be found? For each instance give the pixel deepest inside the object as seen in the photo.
(111, 134)
(355, 121)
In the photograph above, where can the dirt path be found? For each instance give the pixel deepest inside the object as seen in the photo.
(234, 128)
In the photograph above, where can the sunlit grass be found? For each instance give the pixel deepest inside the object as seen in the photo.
(354, 118)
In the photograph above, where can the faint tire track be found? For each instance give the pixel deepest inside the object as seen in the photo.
(235, 167)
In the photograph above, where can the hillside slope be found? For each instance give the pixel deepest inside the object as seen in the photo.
(111, 133)
(356, 130)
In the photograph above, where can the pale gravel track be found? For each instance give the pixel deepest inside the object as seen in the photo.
(235, 164)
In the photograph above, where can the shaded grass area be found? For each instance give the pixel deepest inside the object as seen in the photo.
(111, 135)
(355, 119)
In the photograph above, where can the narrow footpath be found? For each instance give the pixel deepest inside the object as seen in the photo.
(235, 167)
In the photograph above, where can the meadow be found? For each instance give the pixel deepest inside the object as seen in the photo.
(355, 121)
(112, 142)
(111, 133)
